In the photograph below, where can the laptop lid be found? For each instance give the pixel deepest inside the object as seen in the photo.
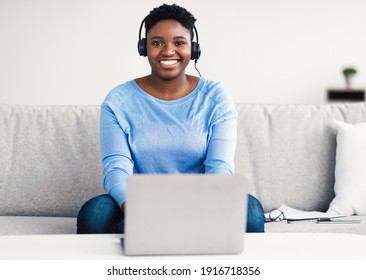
(185, 214)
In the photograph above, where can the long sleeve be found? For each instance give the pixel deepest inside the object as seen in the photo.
(116, 155)
(221, 148)
(222, 134)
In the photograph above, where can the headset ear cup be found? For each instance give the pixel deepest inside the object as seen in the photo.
(196, 51)
(141, 47)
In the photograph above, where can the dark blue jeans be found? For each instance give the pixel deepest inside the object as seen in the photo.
(102, 214)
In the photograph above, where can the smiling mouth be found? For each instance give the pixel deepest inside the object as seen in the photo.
(168, 62)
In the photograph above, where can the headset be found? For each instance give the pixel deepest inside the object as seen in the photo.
(142, 49)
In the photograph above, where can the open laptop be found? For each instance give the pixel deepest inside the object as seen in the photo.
(185, 214)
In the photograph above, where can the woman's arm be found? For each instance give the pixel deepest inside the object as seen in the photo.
(115, 154)
(221, 148)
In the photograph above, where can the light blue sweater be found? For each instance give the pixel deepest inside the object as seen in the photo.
(143, 134)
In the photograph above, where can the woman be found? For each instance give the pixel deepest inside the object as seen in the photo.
(165, 122)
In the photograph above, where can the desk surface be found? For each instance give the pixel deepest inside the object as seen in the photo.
(281, 246)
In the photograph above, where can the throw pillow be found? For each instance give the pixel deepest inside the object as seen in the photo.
(350, 170)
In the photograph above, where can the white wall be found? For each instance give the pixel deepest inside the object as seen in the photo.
(282, 51)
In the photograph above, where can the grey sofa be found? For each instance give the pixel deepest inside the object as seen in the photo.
(50, 162)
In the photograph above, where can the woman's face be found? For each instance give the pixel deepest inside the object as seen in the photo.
(168, 49)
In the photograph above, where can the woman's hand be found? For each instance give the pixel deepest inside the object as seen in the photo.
(123, 207)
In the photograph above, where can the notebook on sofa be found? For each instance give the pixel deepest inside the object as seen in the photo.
(185, 214)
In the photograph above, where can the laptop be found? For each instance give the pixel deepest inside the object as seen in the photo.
(185, 214)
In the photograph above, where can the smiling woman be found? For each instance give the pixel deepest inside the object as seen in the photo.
(169, 53)
(163, 123)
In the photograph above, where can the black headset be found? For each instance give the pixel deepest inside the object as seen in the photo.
(142, 49)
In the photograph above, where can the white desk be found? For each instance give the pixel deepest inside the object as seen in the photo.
(268, 246)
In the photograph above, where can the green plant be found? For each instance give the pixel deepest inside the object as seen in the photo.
(348, 73)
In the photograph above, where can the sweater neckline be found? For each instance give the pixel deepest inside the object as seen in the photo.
(190, 95)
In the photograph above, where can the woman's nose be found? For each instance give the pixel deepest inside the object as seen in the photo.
(169, 49)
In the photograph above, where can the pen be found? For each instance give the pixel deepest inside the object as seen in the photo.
(337, 221)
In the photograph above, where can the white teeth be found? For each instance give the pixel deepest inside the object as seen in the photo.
(168, 62)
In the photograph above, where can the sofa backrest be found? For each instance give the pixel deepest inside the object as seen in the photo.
(50, 155)
(49, 159)
(287, 152)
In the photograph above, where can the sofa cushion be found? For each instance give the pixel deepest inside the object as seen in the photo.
(350, 170)
(21, 225)
(49, 159)
(287, 152)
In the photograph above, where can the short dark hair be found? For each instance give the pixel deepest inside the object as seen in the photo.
(170, 12)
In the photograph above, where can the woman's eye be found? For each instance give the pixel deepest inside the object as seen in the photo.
(179, 43)
(156, 43)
